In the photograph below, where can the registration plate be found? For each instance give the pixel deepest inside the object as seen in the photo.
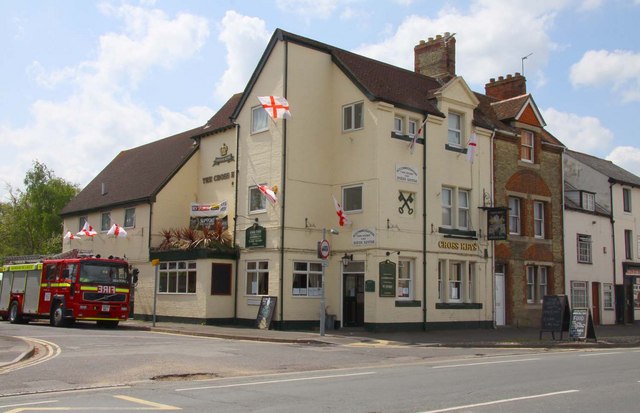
(105, 308)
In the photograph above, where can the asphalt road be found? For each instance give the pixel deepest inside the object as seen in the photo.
(118, 370)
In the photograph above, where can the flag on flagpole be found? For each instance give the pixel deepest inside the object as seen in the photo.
(276, 106)
(267, 192)
(471, 147)
(87, 230)
(116, 231)
(343, 218)
(69, 235)
(412, 144)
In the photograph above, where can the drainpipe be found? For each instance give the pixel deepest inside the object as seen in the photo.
(235, 226)
(424, 224)
(282, 196)
(613, 247)
(493, 243)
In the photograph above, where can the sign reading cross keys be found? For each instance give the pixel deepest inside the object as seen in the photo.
(406, 201)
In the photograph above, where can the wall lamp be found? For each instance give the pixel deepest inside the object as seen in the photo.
(346, 259)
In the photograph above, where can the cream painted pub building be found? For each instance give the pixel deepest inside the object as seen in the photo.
(406, 153)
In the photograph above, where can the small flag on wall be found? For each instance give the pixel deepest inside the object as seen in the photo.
(276, 106)
(87, 230)
(69, 235)
(343, 218)
(117, 232)
(471, 147)
(412, 144)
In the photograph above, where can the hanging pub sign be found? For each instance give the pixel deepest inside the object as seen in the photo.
(255, 237)
(387, 276)
(496, 224)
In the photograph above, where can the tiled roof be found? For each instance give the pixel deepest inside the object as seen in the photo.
(509, 108)
(222, 119)
(608, 168)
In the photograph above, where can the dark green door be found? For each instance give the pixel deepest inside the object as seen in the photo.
(353, 300)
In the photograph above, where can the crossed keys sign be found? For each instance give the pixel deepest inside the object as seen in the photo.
(406, 201)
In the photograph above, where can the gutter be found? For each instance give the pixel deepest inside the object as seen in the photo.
(424, 225)
(235, 225)
(284, 181)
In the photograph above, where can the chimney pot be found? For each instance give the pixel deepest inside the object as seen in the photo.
(492, 80)
(506, 88)
(438, 36)
(500, 78)
(422, 41)
(436, 58)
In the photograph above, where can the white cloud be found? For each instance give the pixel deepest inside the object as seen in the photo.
(245, 39)
(627, 157)
(486, 44)
(309, 8)
(588, 5)
(581, 133)
(619, 70)
(79, 134)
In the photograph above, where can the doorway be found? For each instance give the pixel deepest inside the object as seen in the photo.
(353, 300)
(595, 302)
(500, 295)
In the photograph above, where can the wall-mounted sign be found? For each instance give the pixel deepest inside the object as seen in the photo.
(496, 224)
(406, 202)
(405, 173)
(255, 237)
(387, 274)
(364, 236)
(209, 210)
(224, 155)
(457, 246)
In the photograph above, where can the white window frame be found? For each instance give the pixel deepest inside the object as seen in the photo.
(607, 296)
(350, 119)
(404, 287)
(105, 224)
(527, 141)
(537, 277)
(584, 248)
(398, 122)
(312, 273)
(470, 289)
(177, 271)
(441, 275)
(131, 214)
(538, 219)
(454, 135)
(447, 207)
(259, 119)
(257, 275)
(455, 281)
(588, 201)
(514, 215)
(82, 220)
(257, 201)
(628, 244)
(349, 198)
(463, 209)
(579, 294)
(412, 127)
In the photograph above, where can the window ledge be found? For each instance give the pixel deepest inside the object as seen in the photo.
(406, 138)
(458, 306)
(457, 233)
(452, 148)
(528, 164)
(408, 303)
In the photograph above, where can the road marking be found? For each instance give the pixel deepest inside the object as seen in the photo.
(484, 363)
(514, 399)
(600, 354)
(158, 406)
(277, 381)
(27, 404)
(52, 350)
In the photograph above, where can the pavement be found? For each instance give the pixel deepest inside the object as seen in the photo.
(15, 349)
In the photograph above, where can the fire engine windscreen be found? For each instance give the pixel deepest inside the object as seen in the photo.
(103, 273)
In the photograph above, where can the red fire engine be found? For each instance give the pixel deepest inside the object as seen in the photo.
(72, 286)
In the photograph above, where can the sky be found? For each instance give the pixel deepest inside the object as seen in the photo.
(84, 80)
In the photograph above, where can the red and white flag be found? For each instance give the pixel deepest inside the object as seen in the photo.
(116, 231)
(412, 144)
(343, 218)
(267, 192)
(471, 147)
(276, 106)
(87, 230)
(69, 235)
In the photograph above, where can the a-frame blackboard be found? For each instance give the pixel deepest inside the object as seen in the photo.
(555, 315)
(265, 312)
(582, 325)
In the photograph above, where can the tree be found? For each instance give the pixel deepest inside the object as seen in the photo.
(30, 222)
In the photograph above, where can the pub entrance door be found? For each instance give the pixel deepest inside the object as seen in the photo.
(353, 300)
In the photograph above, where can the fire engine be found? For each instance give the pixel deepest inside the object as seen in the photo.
(65, 288)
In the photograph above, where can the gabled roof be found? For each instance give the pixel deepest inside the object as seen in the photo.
(485, 117)
(514, 108)
(221, 121)
(571, 204)
(615, 173)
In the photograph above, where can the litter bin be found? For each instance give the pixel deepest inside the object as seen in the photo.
(329, 321)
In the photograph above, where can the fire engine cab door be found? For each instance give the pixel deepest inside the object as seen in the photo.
(31, 292)
(49, 279)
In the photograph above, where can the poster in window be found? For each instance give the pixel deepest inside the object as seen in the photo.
(496, 224)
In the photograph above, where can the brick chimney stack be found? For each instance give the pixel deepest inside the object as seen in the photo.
(437, 57)
(508, 88)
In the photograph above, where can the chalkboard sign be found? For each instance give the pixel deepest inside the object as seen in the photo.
(581, 324)
(555, 315)
(387, 279)
(265, 312)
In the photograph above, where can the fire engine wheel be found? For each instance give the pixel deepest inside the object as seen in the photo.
(57, 319)
(14, 314)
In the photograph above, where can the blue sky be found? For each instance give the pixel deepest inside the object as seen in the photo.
(84, 80)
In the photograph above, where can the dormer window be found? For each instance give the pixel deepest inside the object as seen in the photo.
(526, 146)
(455, 131)
(588, 201)
(412, 127)
(397, 125)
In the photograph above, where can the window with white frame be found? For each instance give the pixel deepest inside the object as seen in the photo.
(455, 129)
(628, 244)
(526, 146)
(456, 270)
(404, 289)
(307, 279)
(447, 207)
(81, 221)
(177, 277)
(129, 217)
(257, 201)
(463, 209)
(352, 198)
(412, 127)
(105, 221)
(352, 117)
(588, 201)
(579, 298)
(259, 119)
(626, 199)
(398, 125)
(584, 248)
(257, 278)
(538, 219)
(607, 296)
(441, 275)
(537, 283)
(514, 215)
